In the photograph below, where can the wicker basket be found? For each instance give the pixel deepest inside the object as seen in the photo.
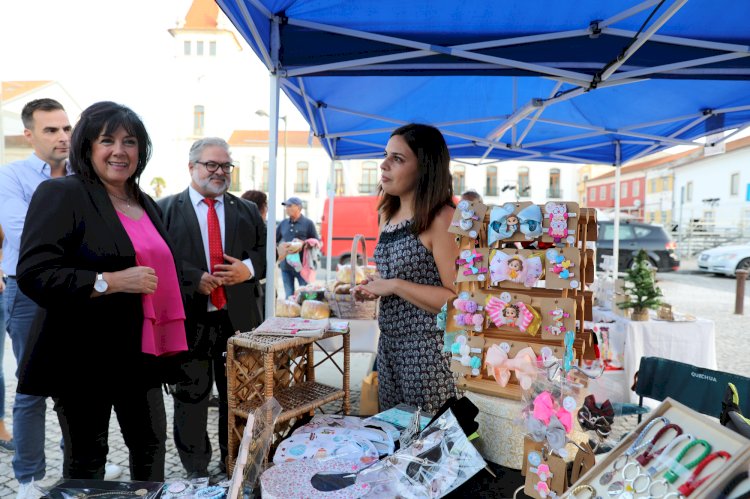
(345, 306)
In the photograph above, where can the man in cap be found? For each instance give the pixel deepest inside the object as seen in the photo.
(296, 227)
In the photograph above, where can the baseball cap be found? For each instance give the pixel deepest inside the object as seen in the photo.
(293, 200)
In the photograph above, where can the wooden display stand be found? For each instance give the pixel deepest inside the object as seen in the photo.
(261, 366)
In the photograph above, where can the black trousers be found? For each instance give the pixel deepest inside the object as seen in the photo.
(199, 370)
(84, 421)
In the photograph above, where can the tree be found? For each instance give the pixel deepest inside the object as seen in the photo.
(159, 184)
(642, 292)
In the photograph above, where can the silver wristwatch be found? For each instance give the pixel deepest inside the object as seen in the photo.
(101, 285)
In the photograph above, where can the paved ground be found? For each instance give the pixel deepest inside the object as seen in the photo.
(701, 295)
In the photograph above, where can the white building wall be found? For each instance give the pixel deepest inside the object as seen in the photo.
(710, 179)
(660, 200)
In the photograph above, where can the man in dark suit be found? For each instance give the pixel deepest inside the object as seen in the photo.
(220, 240)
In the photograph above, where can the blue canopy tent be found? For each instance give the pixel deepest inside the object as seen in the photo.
(578, 81)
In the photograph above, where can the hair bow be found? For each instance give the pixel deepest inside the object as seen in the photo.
(499, 365)
(471, 260)
(605, 410)
(515, 268)
(517, 315)
(504, 223)
(544, 411)
(553, 433)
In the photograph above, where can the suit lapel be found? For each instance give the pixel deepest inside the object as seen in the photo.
(230, 224)
(187, 212)
(106, 209)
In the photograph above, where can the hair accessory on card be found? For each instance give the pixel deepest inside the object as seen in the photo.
(466, 219)
(462, 351)
(558, 220)
(543, 471)
(542, 489)
(442, 317)
(516, 315)
(448, 340)
(515, 268)
(470, 315)
(560, 265)
(471, 261)
(504, 223)
(553, 433)
(558, 326)
(523, 364)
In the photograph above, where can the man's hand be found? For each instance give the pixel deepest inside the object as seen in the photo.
(233, 273)
(283, 250)
(208, 283)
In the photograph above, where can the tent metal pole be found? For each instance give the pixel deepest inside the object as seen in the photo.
(362, 142)
(254, 31)
(307, 107)
(735, 109)
(565, 139)
(258, 5)
(726, 137)
(534, 119)
(676, 40)
(616, 236)
(660, 122)
(589, 146)
(665, 68)
(638, 43)
(628, 13)
(273, 143)
(573, 159)
(329, 238)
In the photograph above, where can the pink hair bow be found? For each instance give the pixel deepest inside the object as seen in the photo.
(499, 365)
(544, 409)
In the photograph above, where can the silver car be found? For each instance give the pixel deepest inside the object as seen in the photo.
(725, 259)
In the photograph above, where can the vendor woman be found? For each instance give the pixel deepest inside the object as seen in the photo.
(415, 258)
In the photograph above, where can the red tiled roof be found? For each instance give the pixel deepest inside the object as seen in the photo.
(203, 14)
(250, 138)
(13, 89)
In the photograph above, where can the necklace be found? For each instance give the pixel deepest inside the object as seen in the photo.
(126, 200)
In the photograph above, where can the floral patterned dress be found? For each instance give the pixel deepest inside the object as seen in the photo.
(412, 367)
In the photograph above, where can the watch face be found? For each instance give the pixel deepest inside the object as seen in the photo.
(100, 285)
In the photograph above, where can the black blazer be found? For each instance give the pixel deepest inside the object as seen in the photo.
(245, 237)
(71, 233)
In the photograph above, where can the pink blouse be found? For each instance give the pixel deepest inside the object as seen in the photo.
(163, 311)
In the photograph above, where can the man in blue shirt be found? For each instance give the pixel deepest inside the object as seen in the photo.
(297, 226)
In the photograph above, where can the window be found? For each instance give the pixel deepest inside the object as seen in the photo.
(603, 193)
(212, 48)
(734, 184)
(626, 232)
(708, 217)
(612, 192)
(592, 194)
(459, 179)
(490, 189)
(236, 178)
(652, 216)
(689, 192)
(653, 185)
(664, 217)
(264, 181)
(641, 232)
(554, 184)
(665, 184)
(369, 180)
(186, 47)
(524, 185)
(636, 189)
(199, 118)
(624, 190)
(338, 170)
(302, 184)
(198, 48)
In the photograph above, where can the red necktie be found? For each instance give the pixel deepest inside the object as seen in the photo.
(216, 253)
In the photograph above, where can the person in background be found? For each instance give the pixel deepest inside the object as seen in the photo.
(261, 201)
(415, 257)
(97, 260)
(6, 440)
(296, 227)
(471, 195)
(221, 242)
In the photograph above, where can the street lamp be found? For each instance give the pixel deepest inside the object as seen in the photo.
(261, 112)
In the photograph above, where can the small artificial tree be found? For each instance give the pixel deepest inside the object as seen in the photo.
(642, 292)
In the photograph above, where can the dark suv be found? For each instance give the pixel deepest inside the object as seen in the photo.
(635, 236)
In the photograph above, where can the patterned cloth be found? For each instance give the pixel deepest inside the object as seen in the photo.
(412, 368)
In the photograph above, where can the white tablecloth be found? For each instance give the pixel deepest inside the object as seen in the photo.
(689, 342)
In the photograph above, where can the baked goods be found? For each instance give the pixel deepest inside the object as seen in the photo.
(342, 288)
(286, 308)
(344, 274)
(294, 246)
(314, 309)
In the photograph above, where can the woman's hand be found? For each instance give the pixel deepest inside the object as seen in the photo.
(139, 280)
(373, 287)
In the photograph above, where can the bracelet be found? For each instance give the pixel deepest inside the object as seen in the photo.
(591, 490)
(676, 470)
(649, 453)
(637, 445)
(693, 482)
(657, 468)
(117, 493)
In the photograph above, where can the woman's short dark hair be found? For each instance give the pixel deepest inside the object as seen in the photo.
(434, 186)
(106, 117)
(257, 197)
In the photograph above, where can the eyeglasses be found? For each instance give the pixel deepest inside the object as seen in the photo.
(212, 166)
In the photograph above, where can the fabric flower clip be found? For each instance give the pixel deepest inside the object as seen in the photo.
(516, 315)
(462, 351)
(515, 268)
(558, 220)
(471, 313)
(504, 223)
(558, 326)
(471, 260)
(466, 218)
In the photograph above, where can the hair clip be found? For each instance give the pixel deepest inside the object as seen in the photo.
(543, 471)
(472, 315)
(471, 260)
(515, 268)
(500, 365)
(442, 317)
(516, 315)
(558, 220)
(557, 327)
(462, 351)
(504, 223)
(448, 340)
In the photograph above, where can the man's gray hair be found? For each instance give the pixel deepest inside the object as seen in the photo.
(197, 148)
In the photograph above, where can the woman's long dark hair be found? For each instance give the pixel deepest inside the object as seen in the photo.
(106, 117)
(434, 186)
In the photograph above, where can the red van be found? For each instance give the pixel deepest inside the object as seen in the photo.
(351, 215)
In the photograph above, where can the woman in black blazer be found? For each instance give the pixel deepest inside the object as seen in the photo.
(81, 262)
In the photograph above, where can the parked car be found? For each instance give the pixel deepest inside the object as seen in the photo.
(725, 259)
(351, 215)
(635, 236)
